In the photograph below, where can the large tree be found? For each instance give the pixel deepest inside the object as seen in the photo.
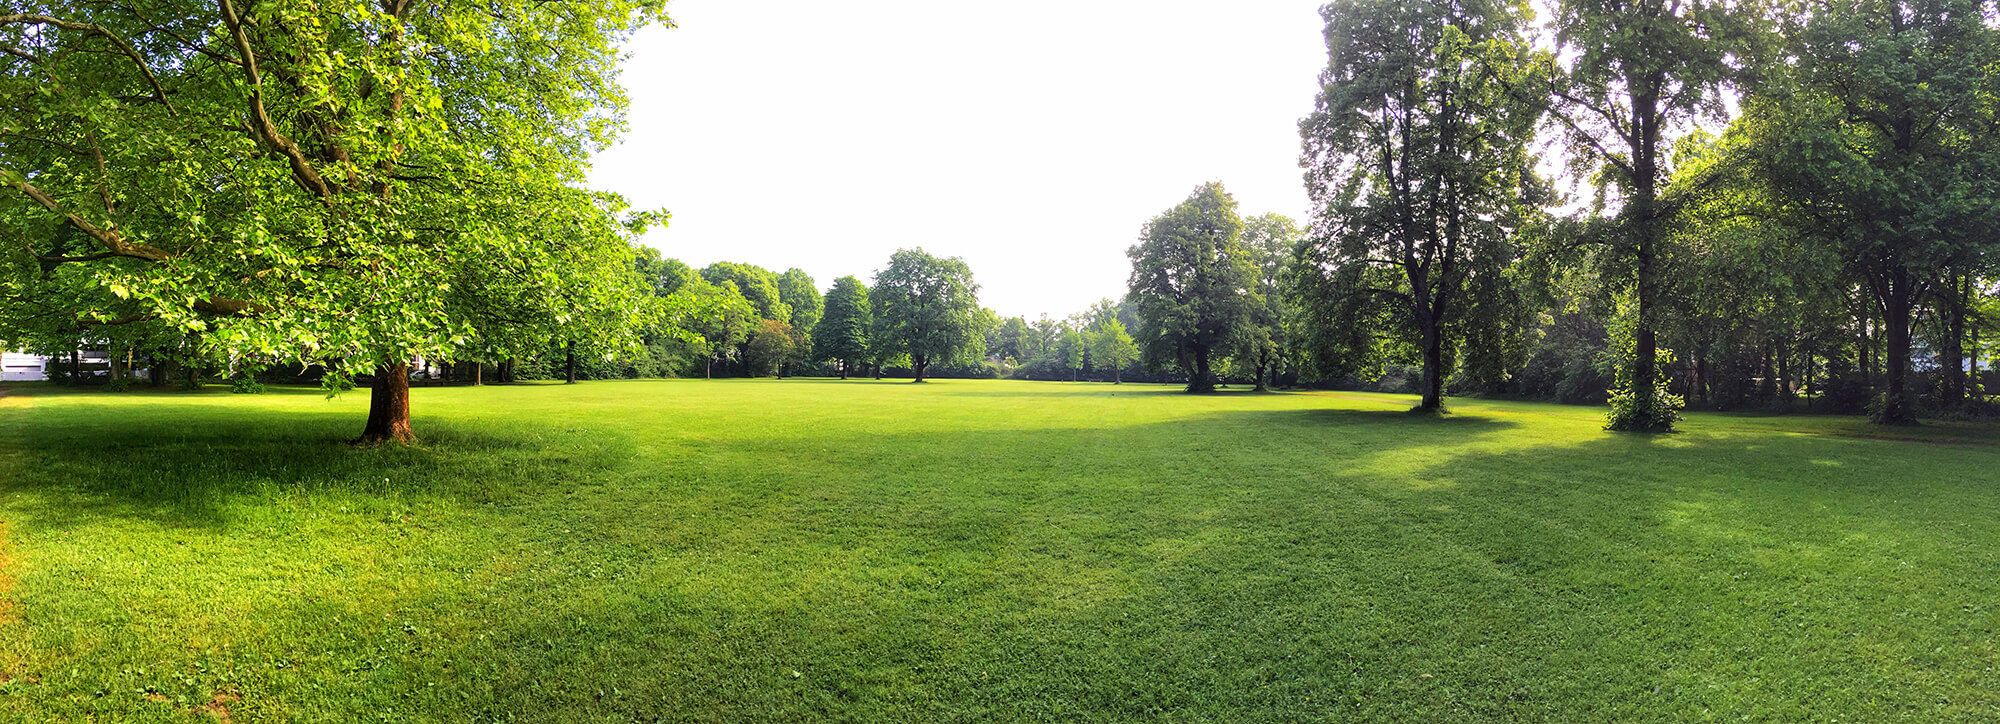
(1417, 163)
(926, 308)
(842, 333)
(1636, 71)
(310, 182)
(1890, 143)
(1192, 283)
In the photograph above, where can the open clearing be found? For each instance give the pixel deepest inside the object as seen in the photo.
(982, 550)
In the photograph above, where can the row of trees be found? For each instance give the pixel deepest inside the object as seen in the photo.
(1836, 237)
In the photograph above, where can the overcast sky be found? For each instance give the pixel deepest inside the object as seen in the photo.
(1031, 138)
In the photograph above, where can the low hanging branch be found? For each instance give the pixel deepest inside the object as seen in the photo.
(112, 240)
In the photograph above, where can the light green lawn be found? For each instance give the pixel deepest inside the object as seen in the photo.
(990, 551)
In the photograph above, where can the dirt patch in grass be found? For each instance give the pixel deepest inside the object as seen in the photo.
(218, 706)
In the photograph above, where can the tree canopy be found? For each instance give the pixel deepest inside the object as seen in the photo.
(926, 308)
(1192, 282)
(348, 184)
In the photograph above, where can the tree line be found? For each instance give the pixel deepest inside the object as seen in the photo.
(347, 188)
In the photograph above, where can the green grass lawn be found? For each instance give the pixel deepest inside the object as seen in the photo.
(982, 551)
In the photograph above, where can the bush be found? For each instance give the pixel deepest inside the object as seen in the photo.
(246, 385)
(1657, 414)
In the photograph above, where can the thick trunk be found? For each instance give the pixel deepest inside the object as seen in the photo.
(1896, 406)
(1201, 381)
(569, 366)
(843, 369)
(1263, 366)
(917, 364)
(478, 373)
(389, 406)
(1645, 189)
(1116, 375)
(1433, 389)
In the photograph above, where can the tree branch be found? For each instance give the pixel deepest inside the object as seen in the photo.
(302, 170)
(126, 49)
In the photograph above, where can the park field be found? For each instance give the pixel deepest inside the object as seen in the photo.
(804, 550)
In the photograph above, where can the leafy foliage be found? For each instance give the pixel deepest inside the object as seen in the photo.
(1192, 283)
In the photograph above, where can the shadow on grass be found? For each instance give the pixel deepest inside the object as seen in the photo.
(1229, 566)
(182, 466)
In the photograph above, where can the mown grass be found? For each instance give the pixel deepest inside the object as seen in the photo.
(983, 551)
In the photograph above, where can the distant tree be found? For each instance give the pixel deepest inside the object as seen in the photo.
(1270, 240)
(665, 276)
(1072, 346)
(1418, 166)
(842, 334)
(721, 316)
(1112, 348)
(797, 291)
(1192, 282)
(756, 283)
(770, 346)
(1013, 338)
(926, 308)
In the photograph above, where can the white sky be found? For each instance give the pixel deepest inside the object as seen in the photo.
(1032, 138)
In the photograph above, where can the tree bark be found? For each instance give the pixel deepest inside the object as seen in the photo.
(389, 406)
(1640, 213)
(478, 374)
(1954, 344)
(569, 365)
(1433, 390)
(1896, 406)
(843, 369)
(917, 364)
(1200, 381)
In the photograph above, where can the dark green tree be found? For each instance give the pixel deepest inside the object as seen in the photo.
(1192, 283)
(927, 309)
(842, 333)
(1890, 144)
(1636, 70)
(1418, 164)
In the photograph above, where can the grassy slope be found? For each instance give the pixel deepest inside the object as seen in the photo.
(737, 550)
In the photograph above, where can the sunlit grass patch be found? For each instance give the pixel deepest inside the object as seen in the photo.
(965, 550)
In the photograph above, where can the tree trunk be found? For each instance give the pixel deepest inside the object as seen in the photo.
(917, 364)
(1117, 373)
(569, 365)
(478, 374)
(389, 406)
(710, 372)
(1433, 384)
(1200, 381)
(1896, 406)
(1263, 364)
(1978, 390)
(1954, 345)
(1640, 212)
(843, 369)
